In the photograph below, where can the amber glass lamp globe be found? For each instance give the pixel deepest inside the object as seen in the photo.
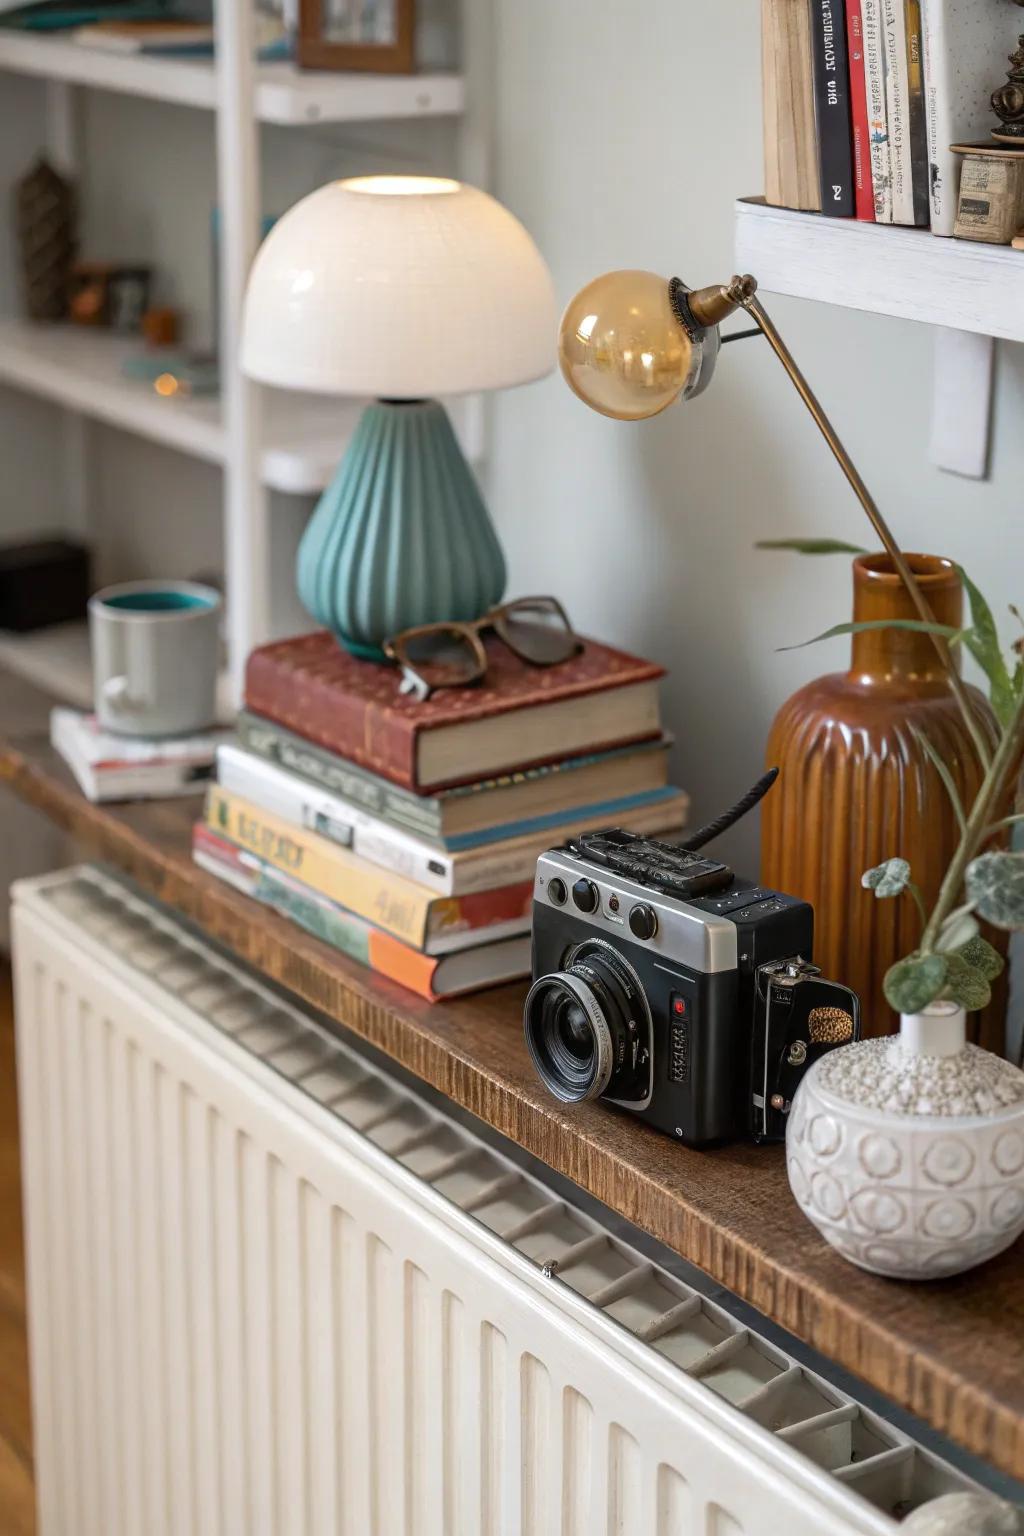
(622, 349)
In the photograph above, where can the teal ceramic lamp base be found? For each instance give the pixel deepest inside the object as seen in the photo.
(401, 536)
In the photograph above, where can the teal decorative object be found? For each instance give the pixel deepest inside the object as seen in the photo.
(401, 536)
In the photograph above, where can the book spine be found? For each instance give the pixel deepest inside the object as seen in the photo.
(832, 108)
(324, 919)
(388, 901)
(864, 197)
(938, 127)
(897, 103)
(421, 816)
(310, 809)
(878, 115)
(918, 133)
(790, 134)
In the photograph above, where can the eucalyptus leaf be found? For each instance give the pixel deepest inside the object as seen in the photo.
(982, 640)
(887, 879)
(911, 984)
(860, 626)
(980, 954)
(959, 929)
(995, 886)
(812, 546)
(942, 769)
(965, 985)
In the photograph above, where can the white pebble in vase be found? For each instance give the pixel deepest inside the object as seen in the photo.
(907, 1153)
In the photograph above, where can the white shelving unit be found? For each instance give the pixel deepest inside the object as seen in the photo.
(283, 93)
(971, 292)
(263, 440)
(302, 436)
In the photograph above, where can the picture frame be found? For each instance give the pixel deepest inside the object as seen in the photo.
(376, 35)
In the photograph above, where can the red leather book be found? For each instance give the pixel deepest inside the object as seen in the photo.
(863, 190)
(518, 717)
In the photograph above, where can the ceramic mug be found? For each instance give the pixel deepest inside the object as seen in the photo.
(155, 652)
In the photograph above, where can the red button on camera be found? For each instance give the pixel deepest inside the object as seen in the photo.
(679, 1007)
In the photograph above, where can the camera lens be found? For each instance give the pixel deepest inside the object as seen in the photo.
(587, 1027)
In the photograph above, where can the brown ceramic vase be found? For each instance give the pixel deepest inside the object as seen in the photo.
(856, 787)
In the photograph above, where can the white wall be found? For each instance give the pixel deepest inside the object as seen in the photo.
(625, 131)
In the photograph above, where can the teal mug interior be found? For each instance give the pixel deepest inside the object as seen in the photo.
(167, 601)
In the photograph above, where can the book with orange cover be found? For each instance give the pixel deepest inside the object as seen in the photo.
(518, 717)
(466, 970)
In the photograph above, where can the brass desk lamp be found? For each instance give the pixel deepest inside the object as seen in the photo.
(631, 343)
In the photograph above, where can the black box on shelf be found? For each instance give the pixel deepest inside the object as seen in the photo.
(43, 582)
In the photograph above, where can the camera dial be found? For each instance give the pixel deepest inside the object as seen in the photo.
(588, 1027)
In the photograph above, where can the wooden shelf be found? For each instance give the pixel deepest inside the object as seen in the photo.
(948, 1351)
(910, 274)
(284, 94)
(304, 436)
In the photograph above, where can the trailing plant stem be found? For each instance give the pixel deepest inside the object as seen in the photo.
(978, 827)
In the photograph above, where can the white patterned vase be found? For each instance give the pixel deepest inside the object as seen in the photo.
(907, 1153)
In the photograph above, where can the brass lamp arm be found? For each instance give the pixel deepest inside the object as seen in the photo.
(710, 306)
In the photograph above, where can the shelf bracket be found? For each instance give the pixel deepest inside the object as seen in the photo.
(962, 377)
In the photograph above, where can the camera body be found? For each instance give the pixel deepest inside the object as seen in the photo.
(699, 1013)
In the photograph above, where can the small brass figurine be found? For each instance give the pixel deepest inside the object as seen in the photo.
(1008, 100)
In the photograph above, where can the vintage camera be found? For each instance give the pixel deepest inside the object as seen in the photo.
(666, 985)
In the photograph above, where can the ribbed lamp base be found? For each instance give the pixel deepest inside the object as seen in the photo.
(401, 536)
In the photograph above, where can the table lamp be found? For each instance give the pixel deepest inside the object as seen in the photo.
(632, 343)
(401, 288)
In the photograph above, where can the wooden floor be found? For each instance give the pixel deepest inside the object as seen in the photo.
(17, 1499)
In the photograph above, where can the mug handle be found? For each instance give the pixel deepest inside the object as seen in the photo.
(116, 693)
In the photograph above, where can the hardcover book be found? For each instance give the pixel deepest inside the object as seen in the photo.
(897, 102)
(518, 716)
(393, 903)
(964, 41)
(860, 131)
(878, 111)
(109, 767)
(832, 108)
(790, 132)
(467, 970)
(916, 113)
(469, 815)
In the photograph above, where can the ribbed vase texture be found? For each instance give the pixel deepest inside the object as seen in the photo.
(857, 787)
(401, 536)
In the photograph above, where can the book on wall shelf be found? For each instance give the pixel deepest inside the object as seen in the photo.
(405, 833)
(881, 77)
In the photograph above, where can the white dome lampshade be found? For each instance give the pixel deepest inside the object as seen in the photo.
(403, 287)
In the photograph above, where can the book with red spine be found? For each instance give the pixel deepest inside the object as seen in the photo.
(864, 196)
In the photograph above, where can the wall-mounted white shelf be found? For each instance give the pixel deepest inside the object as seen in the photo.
(303, 435)
(283, 93)
(910, 274)
(971, 292)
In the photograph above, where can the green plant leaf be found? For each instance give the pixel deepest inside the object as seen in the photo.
(979, 953)
(982, 640)
(812, 546)
(965, 985)
(959, 929)
(911, 984)
(887, 879)
(995, 885)
(859, 626)
(942, 769)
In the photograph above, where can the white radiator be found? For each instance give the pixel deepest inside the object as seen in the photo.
(273, 1291)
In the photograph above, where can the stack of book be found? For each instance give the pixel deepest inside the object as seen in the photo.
(863, 99)
(406, 833)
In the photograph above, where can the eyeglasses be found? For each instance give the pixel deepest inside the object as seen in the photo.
(452, 655)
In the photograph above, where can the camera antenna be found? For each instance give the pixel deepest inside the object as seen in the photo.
(735, 813)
